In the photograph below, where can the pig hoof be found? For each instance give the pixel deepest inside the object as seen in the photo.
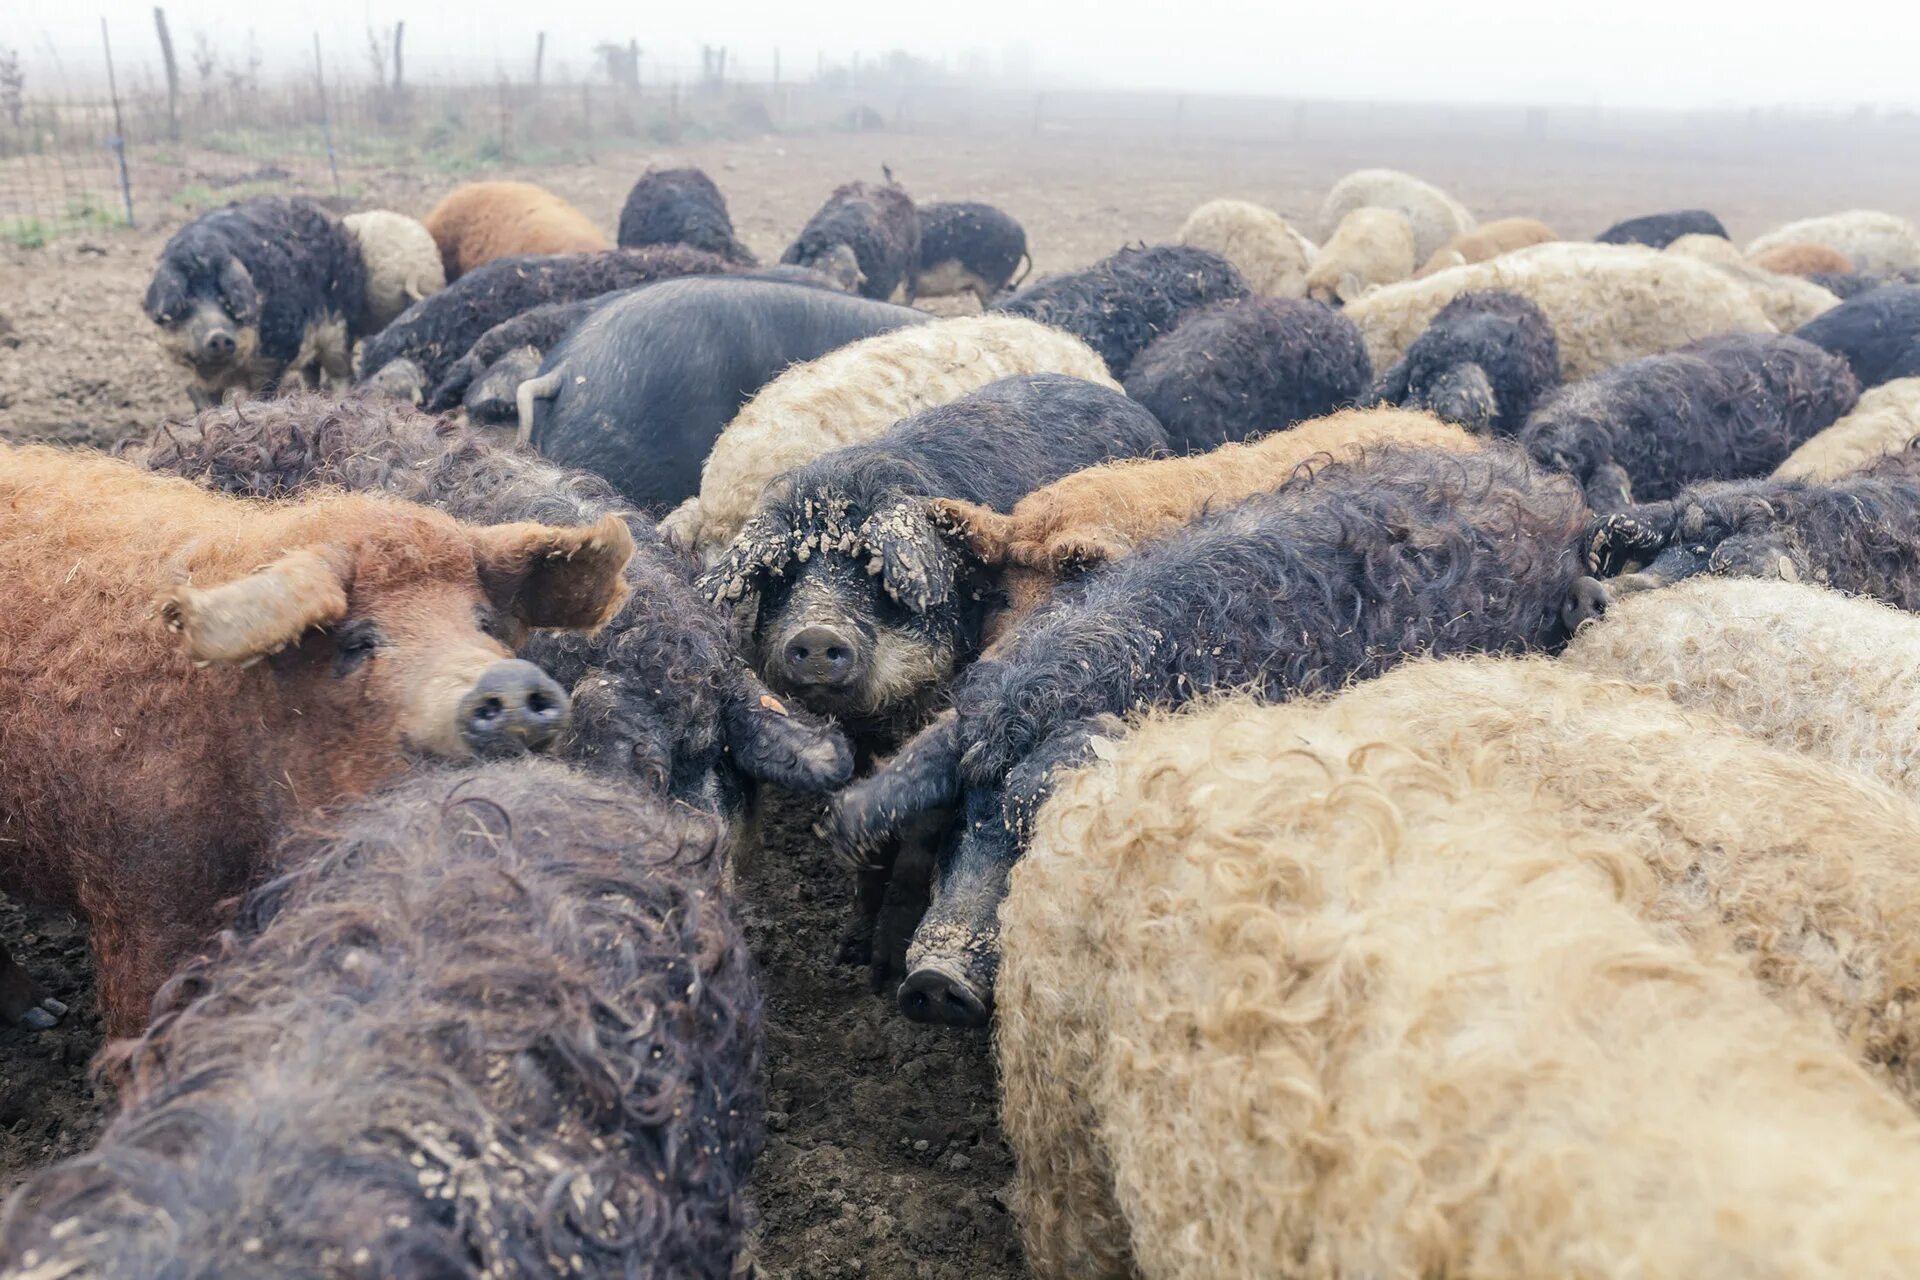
(934, 995)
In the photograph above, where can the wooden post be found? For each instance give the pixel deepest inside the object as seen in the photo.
(399, 38)
(586, 115)
(173, 73)
(119, 139)
(326, 121)
(506, 122)
(539, 57)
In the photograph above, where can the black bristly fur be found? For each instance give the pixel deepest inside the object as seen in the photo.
(680, 206)
(985, 241)
(495, 1021)
(1877, 333)
(1492, 339)
(1244, 368)
(540, 328)
(1121, 303)
(436, 331)
(1658, 230)
(1725, 408)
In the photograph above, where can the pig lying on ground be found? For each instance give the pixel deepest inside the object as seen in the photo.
(1878, 333)
(258, 293)
(1484, 362)
(185, 673)
(1658, 230)
(494, 1022)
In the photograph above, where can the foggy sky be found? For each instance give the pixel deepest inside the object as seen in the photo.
(1618, 53)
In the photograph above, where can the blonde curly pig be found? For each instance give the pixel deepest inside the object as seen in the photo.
(1268, 253)
(1874, 242)
(1370, 247)
(1332, 1006)
(1798, 666)
(1608, 304)
(1787, 300)
(1886, 420)
(1435, 216)
(403, 264)
(855, 393)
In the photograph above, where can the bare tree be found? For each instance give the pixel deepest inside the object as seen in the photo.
(620, 62)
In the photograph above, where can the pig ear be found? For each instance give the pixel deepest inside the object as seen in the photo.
(571, 579)
(237, 293)
(980, 531)
(262, 613)
(167, 296)
(761, 550)
(909, 555)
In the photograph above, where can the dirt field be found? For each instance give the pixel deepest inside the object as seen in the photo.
(884, 1159)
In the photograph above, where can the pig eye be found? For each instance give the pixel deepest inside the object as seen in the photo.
(353, 644)
(494, 625)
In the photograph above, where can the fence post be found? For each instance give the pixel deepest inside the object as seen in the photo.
(399, 37)
(539, 56)
(586, 116)
(506, 121)
(119, 139)
(173, 74)
(326, 121)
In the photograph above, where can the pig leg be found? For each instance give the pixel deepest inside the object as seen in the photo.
(923, 777)
(870, 890)
(955, 955)
(24, 1002)
(905, 900)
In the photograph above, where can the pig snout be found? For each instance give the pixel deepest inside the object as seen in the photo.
(933, 993)
(820, 656)
(514, 706)
(218, 344)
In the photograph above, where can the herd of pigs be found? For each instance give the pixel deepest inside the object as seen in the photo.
(1412, 741)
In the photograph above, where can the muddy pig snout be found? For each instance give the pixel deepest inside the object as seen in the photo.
(820, 656)
(513, 707)
(933, 993)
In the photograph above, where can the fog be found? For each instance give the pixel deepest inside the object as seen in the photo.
(1623, 53)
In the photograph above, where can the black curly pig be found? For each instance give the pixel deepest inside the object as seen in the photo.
(969, 247)
(1658, 230)
(680, 206)
(1240, 369)
(1123, 302)
(1336, 578)
(868, 236)
(1723, 408)
(1877, 332)
(658, 693)
(1483, 362)
(256, 294)
(495, 1021)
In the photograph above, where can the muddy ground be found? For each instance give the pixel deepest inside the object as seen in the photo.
(884, 1160)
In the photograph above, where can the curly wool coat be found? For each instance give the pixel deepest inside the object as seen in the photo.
(680, 206)
(878, 223)
(1484, 362)
(495, 1021)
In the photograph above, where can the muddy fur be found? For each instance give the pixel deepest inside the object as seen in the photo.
(289, 281)
(1801, 667)
(493, 1022)
(1435, 216)
(1123, 302)
(1878, 332)
(1802, 260)
(403, 265)
(437, 332)
(1484, 362)
(657, 692)
(483, 221)
(841, 516)
(1859, 534)
(1084, 520)
(1608, 304)
(1240, 369)
(537, 330)
(875, 220)
(1370, 247)
(1487, 241)
(1285, 982)
(968, 247)
(680, 206)
(1658, 230)
(201, 670)
(1886, 421)
(1269, 255)
(1876, 243)
(854, 394)
(1723, 409)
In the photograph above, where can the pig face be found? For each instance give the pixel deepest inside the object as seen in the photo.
(389, 624)
(863, 623)
(209, 317)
